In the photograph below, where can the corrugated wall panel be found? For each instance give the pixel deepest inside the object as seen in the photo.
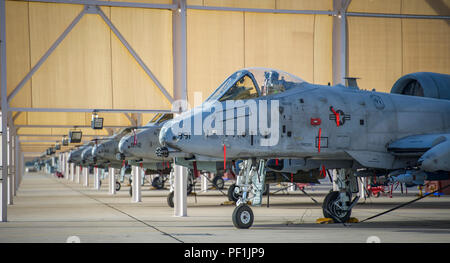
(215, 49)
(377, 6)
(426, 7)
(323, 47)
(280, 41)
(149, 32)
(426, 46)
(375, 54)
(323, 5)
(270, 4)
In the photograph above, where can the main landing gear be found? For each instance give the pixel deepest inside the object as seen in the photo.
(338, 204)
(250, 184)
(249, 188)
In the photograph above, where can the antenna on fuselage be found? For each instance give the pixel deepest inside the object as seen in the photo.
(351, 82)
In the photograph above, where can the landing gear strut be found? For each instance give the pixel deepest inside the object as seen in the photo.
(338, 204)
(250, 184)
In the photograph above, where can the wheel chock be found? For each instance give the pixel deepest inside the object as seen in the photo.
(353, 220)
(152, 188)
(228, 203)
(325, 220)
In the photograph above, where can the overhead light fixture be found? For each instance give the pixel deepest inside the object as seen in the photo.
(96, 122)
(75, 136)
(65, 141)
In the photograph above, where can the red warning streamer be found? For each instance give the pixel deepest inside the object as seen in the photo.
(318, 144)
(135, 138)
(337, 116)
(224, 157)
(195, 169)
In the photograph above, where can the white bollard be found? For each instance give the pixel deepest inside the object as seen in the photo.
(205, 182)
(112, 180)
(136, 175)
(79, 168)
(86, 176)
(180, 191)
(96, 178)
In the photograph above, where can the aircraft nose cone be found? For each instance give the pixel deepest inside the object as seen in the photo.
(124, 145)
(95, 150)
(166, 136)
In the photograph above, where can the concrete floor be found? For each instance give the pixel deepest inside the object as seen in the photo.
(47, 209)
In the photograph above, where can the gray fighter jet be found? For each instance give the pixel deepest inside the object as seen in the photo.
(258, 114)
(142, 147)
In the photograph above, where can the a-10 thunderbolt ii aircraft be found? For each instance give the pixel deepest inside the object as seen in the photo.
(141, 146)
(258, 114)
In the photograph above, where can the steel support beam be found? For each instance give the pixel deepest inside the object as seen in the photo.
(4, 122)
(261, 10)
(24, 109)
(385, 15)
(67, 126)
(180, 94)
(340, 43)
(10, 166)
(107, 3)
(17, 163)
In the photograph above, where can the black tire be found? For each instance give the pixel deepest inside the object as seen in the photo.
(218, 182)
(118, 186)
(243, 217)
(170, 199)
(158, 182)
(131, 191)
(232, 196)
(331, 211)
(99, 183)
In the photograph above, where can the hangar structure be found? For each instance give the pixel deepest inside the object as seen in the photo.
(61, 60)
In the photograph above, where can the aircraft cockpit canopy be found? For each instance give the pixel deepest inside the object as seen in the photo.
(252, 83)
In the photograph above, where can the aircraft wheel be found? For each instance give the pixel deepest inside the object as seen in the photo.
(131, 191)
(158, 182)
(331, 210)
(170, 199)
(218, 182)
(243, 216)
(118, 185)
(232, 196)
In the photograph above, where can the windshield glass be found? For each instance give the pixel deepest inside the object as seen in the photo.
(224, 86)
(247, 83)
(273, 81)
(243, 89)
